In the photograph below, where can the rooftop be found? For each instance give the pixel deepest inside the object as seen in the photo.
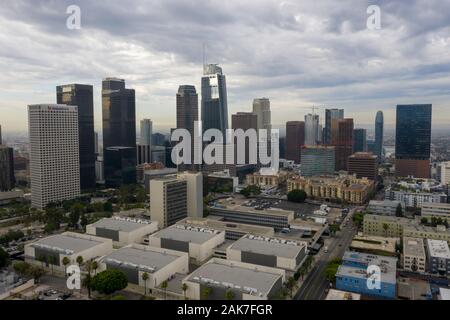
(144, 258)
(122, 224)
(413, 247)
(374, 243)
(385, 203)
(187, 233)
(68, 243)
(334, 294)
(240, 276)
(269, 246)
(438, 248)
(361, 273)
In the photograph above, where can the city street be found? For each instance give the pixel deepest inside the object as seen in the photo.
(315, 284)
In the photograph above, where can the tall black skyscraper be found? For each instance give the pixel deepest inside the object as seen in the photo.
(119, 132)
(413, 140)
(330, 115)
(359, 140)
(379, 132)
(7, 181)
(82, 96)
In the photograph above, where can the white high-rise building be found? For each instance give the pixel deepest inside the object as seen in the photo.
(445, 172)
(312, 129)
(194, 193)
(54, 156)
(146, 132)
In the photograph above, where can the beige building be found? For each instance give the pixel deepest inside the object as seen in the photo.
(347, 188)
(414, 257)
(425, 232)
(375, 245)
(50, 252)
(123, 231)
(244, 281)
(265, 181)
(135, 260)
(198, 242)
(436, 210)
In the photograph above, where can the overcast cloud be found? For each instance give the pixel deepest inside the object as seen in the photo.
(297, 53)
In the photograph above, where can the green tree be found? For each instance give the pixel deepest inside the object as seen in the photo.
(80, 261)
(95, 267)
(385, 228)
(297, 196)
(164, 286)
(4, 258)
(145, 279)
(424, 221)
(290, 285)
(331, 269)
(52, 261)
(74, 216)
(109, 281)
(184, 287)
(36, 273)
(206, 292)
(334, 228)
(229, 295)
(65, 262)
(399, 211)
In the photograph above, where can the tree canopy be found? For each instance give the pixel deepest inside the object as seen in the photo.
(297, 196)
(109, 281)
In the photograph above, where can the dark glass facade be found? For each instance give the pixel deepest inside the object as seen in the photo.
(7, 180)
(82, 97)
(359, 140)
(120, 166)
(330, 115)
(379, 132)
(295, 139)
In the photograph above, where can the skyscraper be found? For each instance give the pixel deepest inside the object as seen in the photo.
(317, 160)
(1, 135)
(244, 121)
(7, 180)
(413, 140)
(330, 115)
(214, 99)
(295, 139)
(261, 107)
(379, 132)
(311, 129)
(360, 140)
(146, 132)
(364, 165)
(54, 153)
(342, 139)
(82, 96)
(119, 126)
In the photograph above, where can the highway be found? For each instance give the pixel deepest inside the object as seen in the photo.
(315, 284)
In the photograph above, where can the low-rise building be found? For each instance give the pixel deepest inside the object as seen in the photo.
(270, 252)
(438, 254)
(414, 198)
(123, 231)
(135, 260)
(382, 246)
(353, 275)
(338, 295)
(436, 210)
(426, 232)
(385, 207)
(220, 182)
(385, 226)
(342, 188)
(51, 251)
(218, 279)
(414, 258)
(265, 181)
(198, 242)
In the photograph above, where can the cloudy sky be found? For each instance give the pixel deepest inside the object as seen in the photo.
(297, 53)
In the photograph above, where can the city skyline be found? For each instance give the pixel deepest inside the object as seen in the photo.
(325, 72)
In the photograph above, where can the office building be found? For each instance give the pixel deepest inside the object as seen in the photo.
(150, 174)
(122, 231)
(54, 154)
(194, 187)
(146, 132)
(7, 179)
(352, 275)
(119, 131)
(1, 141)
(198, 242)
(379, 135)
(445, 173)
(82, 96)
(269, 252)
(414, 198)
(168, 200)
(360, 140)
(265, 181)
(245, 121)
(214, 99)
(144, 154)
(261, 108)
(134, 260)
(119, 166)
(342, 139)
(295, 139)
(385, 207)
(436, 210)
(438, 254)
(242, 281)
(413, 141)
(220, 182)
(364, 165)
(382, 246)
(330, 115)
(317, 160)
(311, 129)
(99, 170)
(386, 226)
(340, 188)
(51, 251)
(414, 258)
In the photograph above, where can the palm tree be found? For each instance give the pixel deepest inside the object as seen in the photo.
(145, 278)
(206, 292)
(184, 287)
(95, 267)
(42, 259)
(80, 261)
(385, 228)
(164, 286)
(229, 295)
(87, 280)
(65, 262)
(52, 262)
(291, 285)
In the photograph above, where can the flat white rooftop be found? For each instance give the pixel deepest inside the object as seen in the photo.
(122, 224)
(67, 241)
(144, 258)
(269, 246)
(413, 247)
(438, 249)
(196, 235)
